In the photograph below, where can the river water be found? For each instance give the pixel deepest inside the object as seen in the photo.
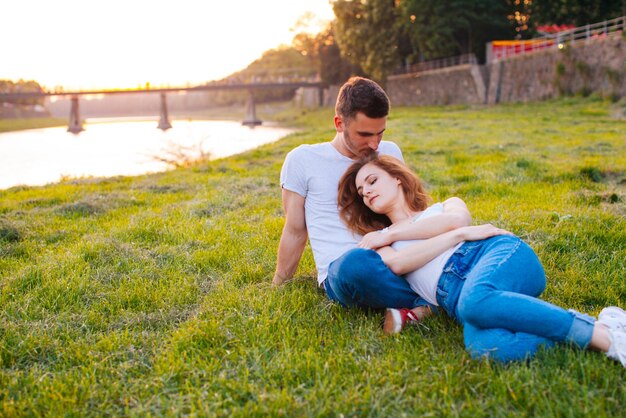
(121, 146)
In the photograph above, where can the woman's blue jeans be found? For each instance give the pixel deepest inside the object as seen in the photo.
(491, 288)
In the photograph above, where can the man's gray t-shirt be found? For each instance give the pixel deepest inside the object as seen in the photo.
(314, 171)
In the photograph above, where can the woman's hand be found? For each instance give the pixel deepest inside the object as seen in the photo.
(478, 232)
(375, 240)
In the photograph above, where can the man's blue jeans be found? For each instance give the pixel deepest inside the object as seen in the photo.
(491, 288)
(359, 278)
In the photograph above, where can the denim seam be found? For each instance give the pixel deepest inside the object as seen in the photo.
(511, 253)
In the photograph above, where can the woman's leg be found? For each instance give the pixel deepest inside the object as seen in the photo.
(499, 307)
(502, 344)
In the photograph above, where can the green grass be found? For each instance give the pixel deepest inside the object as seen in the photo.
(7, 125)
(151, 295)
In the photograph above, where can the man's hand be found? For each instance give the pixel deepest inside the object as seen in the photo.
(278, 280)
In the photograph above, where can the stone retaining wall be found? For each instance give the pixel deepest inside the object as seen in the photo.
(595, 66)
(453, 85)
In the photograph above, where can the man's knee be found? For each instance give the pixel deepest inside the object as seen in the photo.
(354, 266)
(361, 278)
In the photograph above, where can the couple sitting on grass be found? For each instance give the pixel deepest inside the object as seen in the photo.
(377, 244)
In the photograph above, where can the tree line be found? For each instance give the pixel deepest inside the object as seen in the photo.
(22, 86)
(376, 37)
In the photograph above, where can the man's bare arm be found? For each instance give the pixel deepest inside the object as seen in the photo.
(455, 215)
(293, 238)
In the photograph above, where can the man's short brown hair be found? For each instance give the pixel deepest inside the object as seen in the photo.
(363, 95)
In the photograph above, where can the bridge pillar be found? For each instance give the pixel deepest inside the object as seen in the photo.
(75, 124)
(251, 119)
(164, 120)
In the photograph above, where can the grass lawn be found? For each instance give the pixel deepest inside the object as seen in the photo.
(151, 295)
(7, 125)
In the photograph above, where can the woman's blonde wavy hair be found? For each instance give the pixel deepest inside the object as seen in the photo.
(358, 217)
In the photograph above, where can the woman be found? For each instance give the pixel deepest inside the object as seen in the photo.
(482, 276)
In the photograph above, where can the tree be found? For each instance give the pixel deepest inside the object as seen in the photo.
(444, 28)
(325, 55)
(367, 34)
(575, 12)
(23, 86)
(519, 15)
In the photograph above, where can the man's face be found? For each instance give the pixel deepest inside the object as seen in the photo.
(361, 135)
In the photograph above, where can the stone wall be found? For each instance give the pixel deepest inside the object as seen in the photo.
(453, 85)
(309, 97)
(593, 66)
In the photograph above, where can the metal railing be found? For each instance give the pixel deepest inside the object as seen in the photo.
(498, 50)
(437, 64)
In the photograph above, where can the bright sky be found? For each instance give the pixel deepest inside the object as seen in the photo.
(81, 44)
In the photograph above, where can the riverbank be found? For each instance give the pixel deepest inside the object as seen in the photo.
(151, 295)
(9, 125)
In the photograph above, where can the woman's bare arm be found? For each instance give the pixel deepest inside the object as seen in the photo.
(455, 215)
(417, 255)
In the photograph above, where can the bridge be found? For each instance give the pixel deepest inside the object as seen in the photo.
(76, 124)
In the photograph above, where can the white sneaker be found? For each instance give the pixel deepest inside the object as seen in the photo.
(617, 349)
(614, 318)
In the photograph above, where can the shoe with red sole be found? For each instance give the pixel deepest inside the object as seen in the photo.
(397, 319)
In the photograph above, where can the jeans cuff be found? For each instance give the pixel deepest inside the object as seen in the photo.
(433, 308)
(581, 330)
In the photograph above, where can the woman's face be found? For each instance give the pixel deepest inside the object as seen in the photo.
(379, 190)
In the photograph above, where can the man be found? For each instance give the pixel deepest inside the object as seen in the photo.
(309, 179)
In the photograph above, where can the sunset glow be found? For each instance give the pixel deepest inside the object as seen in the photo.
(126, 44)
